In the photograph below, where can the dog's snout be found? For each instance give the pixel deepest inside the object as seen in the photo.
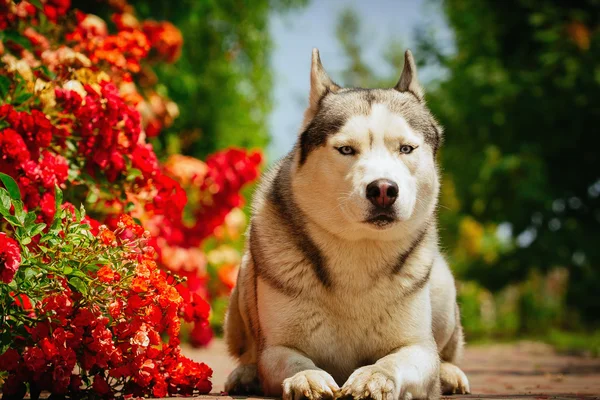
(382, 192)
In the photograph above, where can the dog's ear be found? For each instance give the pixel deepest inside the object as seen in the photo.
(408, 80)
(320, 82)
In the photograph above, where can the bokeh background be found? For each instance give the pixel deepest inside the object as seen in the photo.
(514, 83)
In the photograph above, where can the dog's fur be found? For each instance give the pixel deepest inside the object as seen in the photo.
(333, 299)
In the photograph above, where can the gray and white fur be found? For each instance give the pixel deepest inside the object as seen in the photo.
(343, 290)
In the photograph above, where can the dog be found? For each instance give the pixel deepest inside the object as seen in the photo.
(342, 289)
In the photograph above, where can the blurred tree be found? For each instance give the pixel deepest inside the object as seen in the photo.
(521, 168)
(521, 110)
(222, 81)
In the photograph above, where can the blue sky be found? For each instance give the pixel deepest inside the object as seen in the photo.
(296, 33)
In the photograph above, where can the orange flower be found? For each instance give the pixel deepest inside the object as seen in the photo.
(139, 285)
(107, 237)
(106, 274)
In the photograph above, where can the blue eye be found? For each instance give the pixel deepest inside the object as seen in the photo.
(406, 149)
(346, 150)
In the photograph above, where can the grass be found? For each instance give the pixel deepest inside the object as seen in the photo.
(575, 342)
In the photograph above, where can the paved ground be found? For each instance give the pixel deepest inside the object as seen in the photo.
(523, 370)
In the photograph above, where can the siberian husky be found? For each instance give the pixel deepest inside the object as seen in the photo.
(343, 290)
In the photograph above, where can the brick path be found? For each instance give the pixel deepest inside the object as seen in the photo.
(524, 370)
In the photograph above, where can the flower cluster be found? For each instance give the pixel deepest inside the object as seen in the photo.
(10, 258)
(89, 312)
(78, 113)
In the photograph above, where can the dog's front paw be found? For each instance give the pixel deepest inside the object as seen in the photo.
(310, 384)
(370, 382)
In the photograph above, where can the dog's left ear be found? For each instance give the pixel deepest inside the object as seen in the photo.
(408, 80)
(320, 82)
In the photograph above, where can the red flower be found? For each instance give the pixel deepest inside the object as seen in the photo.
(10, 258)
(100, 385)
(12, 147)
(165, 38)
(34, 359)
(9, 361)
(56, 8)
(48, 205)
(201, 334)
(159, 388)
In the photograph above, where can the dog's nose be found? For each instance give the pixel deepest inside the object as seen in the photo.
(382, 193)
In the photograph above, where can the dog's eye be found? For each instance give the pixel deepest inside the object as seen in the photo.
(346, 150)
(406, 149)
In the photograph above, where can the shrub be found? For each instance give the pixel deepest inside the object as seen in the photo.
(88, 313)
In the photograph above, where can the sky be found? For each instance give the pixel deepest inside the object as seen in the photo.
(297, 32)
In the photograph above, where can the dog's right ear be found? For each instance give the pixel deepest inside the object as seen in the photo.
(320, 83)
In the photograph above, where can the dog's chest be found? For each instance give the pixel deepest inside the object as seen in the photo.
(340, 330)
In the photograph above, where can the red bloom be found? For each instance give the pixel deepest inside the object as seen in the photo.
(159, 388)
(164, 38)
(34, 359)
(100, 385)
(48, 205)
(9, 361)
(201, 334)
(50, 350)
(10, 258)
(56, 8)
(12, 147)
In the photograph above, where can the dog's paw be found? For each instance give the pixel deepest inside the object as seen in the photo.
(243, 380)
(453, 380)
(310, 384)
(370, 382)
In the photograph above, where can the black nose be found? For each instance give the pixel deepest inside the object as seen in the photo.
(382, 192)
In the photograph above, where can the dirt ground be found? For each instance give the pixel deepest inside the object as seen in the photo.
(524, 370)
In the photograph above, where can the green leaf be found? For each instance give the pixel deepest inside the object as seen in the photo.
(13, 220)
(58, 197)
(25, 241)
(78, 284)
(133, 173)
(68, 270)
(37, 4)
(22, 98)
(78, 273)
(4, 202)
(82, 211)
(44, 249)
(29, 274)
(129, 207)
(29, 218)
(11, 186)
(4, 86)
(16, 37)
(37, 229)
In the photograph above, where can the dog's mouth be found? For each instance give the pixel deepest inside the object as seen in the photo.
(381, 220)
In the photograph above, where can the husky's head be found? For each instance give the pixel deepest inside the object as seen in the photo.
(364, 164)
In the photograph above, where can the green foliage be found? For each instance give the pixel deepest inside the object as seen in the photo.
(586, 343)
(521, 100)
(222, 82)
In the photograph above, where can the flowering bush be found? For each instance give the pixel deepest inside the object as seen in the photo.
(84, 312)
(78, 110)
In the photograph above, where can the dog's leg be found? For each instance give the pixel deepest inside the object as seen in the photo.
(412, 372)
(241, 345)
(453, 379)
(287, 373)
